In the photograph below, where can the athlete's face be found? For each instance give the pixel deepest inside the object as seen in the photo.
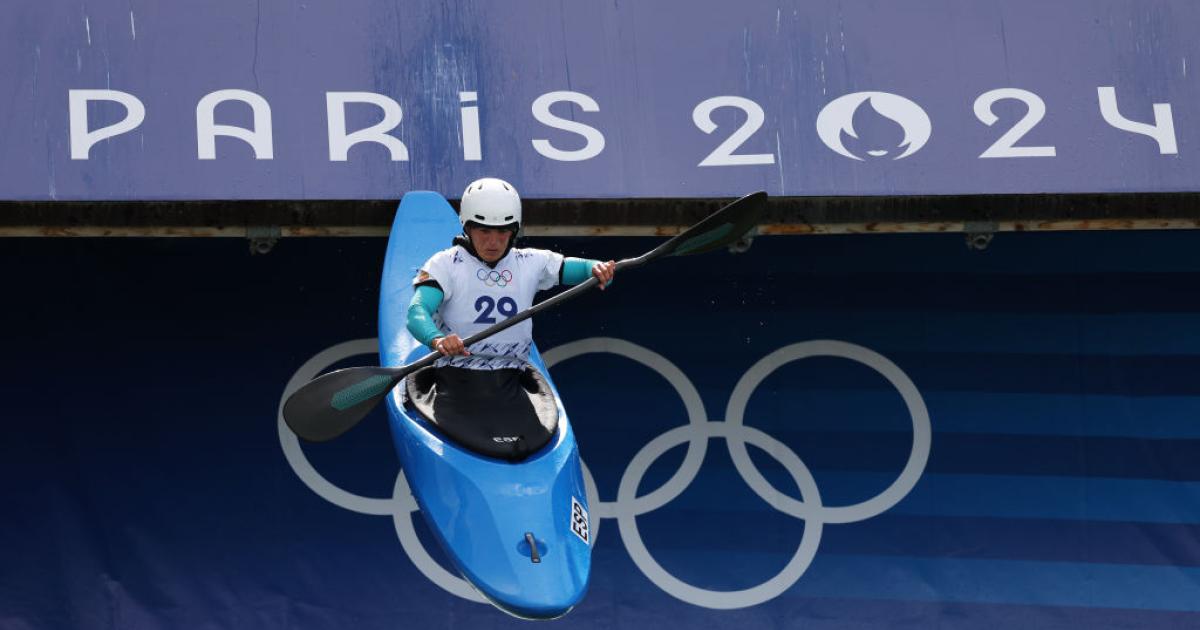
(489, 242)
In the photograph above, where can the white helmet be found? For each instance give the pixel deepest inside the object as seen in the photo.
(490, 201)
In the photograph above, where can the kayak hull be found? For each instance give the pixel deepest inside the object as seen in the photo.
(482, 510)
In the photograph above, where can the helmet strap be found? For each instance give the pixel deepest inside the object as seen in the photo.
(464, 240)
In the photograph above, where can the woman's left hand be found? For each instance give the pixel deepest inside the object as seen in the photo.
(604, 272)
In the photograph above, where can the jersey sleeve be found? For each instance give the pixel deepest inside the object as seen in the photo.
(576, 270)
(550, 263)
(437, 269)
(425, 302)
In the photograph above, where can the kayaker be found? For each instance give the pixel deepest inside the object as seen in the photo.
(478, 281)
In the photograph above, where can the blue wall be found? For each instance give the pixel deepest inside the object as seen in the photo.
(816, 97)
(145, 483)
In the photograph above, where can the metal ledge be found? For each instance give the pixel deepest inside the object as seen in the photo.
(613, 217)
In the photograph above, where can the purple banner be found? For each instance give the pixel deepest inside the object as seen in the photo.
(366, 99)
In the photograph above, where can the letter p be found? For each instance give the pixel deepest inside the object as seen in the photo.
(82, 138)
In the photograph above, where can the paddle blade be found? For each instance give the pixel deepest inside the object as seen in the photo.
(333, 403)
(722, 228)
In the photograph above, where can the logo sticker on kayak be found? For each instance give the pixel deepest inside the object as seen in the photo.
(579, 520)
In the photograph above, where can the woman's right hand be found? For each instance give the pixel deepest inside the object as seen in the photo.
(450, 345)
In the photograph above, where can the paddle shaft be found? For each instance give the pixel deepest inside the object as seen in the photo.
(666, 248)
(573, 292)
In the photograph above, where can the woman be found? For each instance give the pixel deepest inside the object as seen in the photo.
(487, 396)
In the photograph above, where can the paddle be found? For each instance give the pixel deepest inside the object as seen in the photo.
(331, 404)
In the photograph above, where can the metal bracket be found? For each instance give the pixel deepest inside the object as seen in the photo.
(263, 238)
(980, 233)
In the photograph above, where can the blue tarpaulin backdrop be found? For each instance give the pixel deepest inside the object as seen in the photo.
(145, 483)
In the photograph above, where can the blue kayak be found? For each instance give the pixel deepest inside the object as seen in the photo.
(483, 510)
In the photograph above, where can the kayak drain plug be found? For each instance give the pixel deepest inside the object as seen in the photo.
(533, 550)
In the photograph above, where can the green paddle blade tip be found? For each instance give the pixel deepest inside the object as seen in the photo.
(361, 392)
(701, 241)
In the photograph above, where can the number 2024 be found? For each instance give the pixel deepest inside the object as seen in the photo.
(1162, 130)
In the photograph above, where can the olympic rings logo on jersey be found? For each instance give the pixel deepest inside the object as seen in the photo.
(696, 434)
(494, 278)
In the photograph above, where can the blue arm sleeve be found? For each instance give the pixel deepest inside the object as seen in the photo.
(576, 270)
(424, 304)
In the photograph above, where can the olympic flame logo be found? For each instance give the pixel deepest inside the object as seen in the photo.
(696, 434)
(837, 119)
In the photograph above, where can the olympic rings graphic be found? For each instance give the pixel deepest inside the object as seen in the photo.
(696, 433)
(494, 278)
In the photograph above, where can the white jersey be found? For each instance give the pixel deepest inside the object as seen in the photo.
(477, 296)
